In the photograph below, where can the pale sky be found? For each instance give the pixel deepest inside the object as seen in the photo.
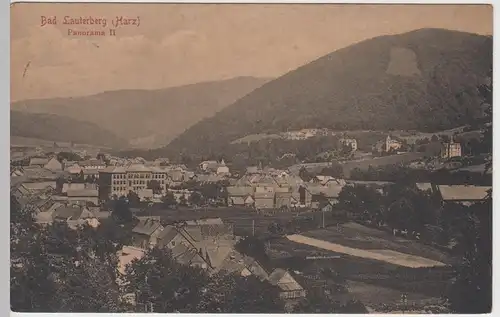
(178, 44)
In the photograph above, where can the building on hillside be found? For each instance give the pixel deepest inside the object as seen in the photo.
(240, 195)
(145, 234)
(392, 144)
(53, 165)
(219, 168)
(289, 287)
(352, 143)
(463, 194)
(451, 149)
(208, 165)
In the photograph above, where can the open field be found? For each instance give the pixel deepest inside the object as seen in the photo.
(388, 256)
(354, 235)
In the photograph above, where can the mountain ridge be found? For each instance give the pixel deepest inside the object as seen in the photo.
(424, 80)
(61, 129)
(147, 118)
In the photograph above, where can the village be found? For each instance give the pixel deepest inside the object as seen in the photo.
(306, 221)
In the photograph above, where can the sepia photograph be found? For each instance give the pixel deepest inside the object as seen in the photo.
(251, 158)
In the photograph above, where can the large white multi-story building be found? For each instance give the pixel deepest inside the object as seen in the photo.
(119, 180)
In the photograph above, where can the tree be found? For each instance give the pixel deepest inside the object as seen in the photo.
(276, 228)
(91, 179)
(89, 285)
(362, 202)
(54, 269)
(486, 92)
(108, 238)
(345, 149)
(230, 293)
(195, 199)
(353, 307)
(155, 186)
(305, 174)
(68, 156)
(169, 200)
(133, 199)
(317, 303)
(410, 208)
(164, 285)
(183, 201)
(335, 170)
(101, 156)
(80, 178)
(471, 292)
(121, 210)
(253, 247)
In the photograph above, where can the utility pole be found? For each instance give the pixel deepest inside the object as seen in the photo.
(323, 217)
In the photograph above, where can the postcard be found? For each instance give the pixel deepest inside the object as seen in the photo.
(251, 158)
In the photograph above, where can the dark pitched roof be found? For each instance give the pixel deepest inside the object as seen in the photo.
(276, 276)
(68, 213)
(168, 233)
(146, 226)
